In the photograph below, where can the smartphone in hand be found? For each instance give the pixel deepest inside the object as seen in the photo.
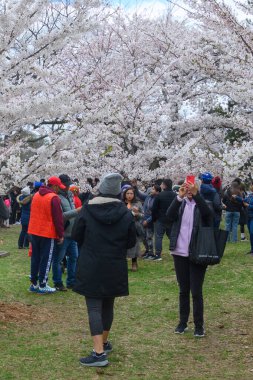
(190, 179)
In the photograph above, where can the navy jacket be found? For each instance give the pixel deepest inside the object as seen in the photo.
(248, 199)
(25, 203)
(147, 208)
(161, 204)
(209, 193)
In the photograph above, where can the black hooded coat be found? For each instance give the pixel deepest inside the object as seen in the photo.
(104, 230)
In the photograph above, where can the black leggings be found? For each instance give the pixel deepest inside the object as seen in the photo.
(100, 311)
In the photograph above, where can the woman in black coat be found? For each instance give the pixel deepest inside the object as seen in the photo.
(105, 230)
(187, 212)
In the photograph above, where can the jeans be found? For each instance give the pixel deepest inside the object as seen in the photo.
(100, 311)
(23, 240)
(160, 230)
(148, 239)
(250, 228)
(69, 248)
(231, 225)
(190, 278)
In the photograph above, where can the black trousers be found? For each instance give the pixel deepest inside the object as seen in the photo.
(190, 278)
(100, 311)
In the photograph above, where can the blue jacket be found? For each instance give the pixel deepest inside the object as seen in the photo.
(147, 207)
(249, 200)
(25, 203)
(209, 193)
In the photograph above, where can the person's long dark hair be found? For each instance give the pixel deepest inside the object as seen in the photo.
(134, 200)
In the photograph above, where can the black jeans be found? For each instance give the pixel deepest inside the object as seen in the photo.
(100, 311)
(190, 278)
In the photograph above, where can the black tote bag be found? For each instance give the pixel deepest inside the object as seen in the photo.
(221, 237)
(203, 250)
(209, 244)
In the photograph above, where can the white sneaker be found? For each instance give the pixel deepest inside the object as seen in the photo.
(46, 290)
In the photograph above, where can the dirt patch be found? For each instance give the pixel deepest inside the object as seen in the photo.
(21, 313)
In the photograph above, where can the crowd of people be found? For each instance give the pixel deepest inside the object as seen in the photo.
(93, 232)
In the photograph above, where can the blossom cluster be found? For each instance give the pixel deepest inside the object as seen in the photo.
(87, 90)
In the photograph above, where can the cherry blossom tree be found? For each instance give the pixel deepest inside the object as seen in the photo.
(164, 72)
(32, 34)
(224, 58)
(152, 98)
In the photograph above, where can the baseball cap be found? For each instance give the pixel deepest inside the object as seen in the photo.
(57, 182)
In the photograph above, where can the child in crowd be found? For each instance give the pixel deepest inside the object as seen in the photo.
(7, 203)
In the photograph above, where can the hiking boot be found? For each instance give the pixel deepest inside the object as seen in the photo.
(181, 328)
(61, 288)
(199, 332)
(107, 347)
(156, 258)
(34, 288)
(70, 286)
(46, 290)
(94, 360)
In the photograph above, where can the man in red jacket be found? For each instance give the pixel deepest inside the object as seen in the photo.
(46, 227)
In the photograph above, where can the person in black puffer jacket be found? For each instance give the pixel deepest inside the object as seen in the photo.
(105, 230)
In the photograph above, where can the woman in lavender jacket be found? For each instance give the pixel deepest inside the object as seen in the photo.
(187, 212)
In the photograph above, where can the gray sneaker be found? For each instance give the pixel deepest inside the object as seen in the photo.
(94, 360)
(150, 256)
(199, 332)
(156, 258)
(181, 328)
(107, 347)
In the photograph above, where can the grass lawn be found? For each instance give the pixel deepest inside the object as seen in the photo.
(42, 337)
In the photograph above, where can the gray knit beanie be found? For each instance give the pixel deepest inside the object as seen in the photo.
(110, 184)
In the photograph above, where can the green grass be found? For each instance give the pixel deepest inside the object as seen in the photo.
(42, 337)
